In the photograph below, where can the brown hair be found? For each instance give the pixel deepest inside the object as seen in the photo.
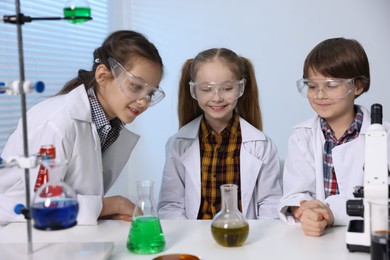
(248, 106)
(340, 58)
(123, 46)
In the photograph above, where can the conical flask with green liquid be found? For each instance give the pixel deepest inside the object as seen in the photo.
(146, 235)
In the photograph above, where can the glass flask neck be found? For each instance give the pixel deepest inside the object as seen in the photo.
(145, 205)
(145, 189)
(229, 197)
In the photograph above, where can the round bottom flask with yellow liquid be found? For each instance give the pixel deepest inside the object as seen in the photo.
(229, 226)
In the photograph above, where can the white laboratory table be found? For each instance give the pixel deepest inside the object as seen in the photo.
(267, 240)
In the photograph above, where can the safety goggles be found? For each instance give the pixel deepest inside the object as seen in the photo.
(229, 90)
(135, 87)
(331, 88)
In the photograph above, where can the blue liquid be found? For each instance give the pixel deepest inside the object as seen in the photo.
(56, 215)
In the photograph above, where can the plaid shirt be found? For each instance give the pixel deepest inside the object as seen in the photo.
(330, 178)
(108, 130)
(220, 164)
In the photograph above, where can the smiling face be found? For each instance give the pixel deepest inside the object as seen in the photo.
(217, 110)
(334, 111)
(114, 102)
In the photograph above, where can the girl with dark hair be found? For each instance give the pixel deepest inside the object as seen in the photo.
(85, 122)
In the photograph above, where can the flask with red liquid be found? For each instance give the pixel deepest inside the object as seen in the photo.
(47, 152)
(55, 204)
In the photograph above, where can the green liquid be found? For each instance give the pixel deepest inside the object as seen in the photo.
(78, 11)
(146, 236)
(230, 237)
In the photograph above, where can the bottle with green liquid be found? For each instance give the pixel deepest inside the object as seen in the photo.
(146, 235)
(77, 8)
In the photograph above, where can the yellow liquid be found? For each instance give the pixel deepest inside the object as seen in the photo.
(230, 237)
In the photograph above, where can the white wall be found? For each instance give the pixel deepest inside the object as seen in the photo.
(275, 34)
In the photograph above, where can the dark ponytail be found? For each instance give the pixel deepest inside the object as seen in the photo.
(124, 46)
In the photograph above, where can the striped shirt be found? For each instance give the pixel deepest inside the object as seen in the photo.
(330, 178)
(108, 130)
(220, 164)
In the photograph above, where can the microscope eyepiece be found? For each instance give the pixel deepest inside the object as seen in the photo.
(376, 114)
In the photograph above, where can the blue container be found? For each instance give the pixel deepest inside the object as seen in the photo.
(55, 214)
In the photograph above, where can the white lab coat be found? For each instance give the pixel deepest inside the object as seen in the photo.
(66, 122)
(180, 193)
(303, 169)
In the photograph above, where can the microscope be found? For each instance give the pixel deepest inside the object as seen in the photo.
(375, 189)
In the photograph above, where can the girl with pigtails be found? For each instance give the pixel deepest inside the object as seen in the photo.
(220, 141)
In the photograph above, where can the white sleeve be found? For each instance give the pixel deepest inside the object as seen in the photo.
(269, 183)
(12, 180)
(90, 207)
(12, 192)
(299, 177)
(171, 203)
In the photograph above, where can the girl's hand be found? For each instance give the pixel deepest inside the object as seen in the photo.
(117, 207)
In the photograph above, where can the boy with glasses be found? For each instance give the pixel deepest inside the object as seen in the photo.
(325, 155)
